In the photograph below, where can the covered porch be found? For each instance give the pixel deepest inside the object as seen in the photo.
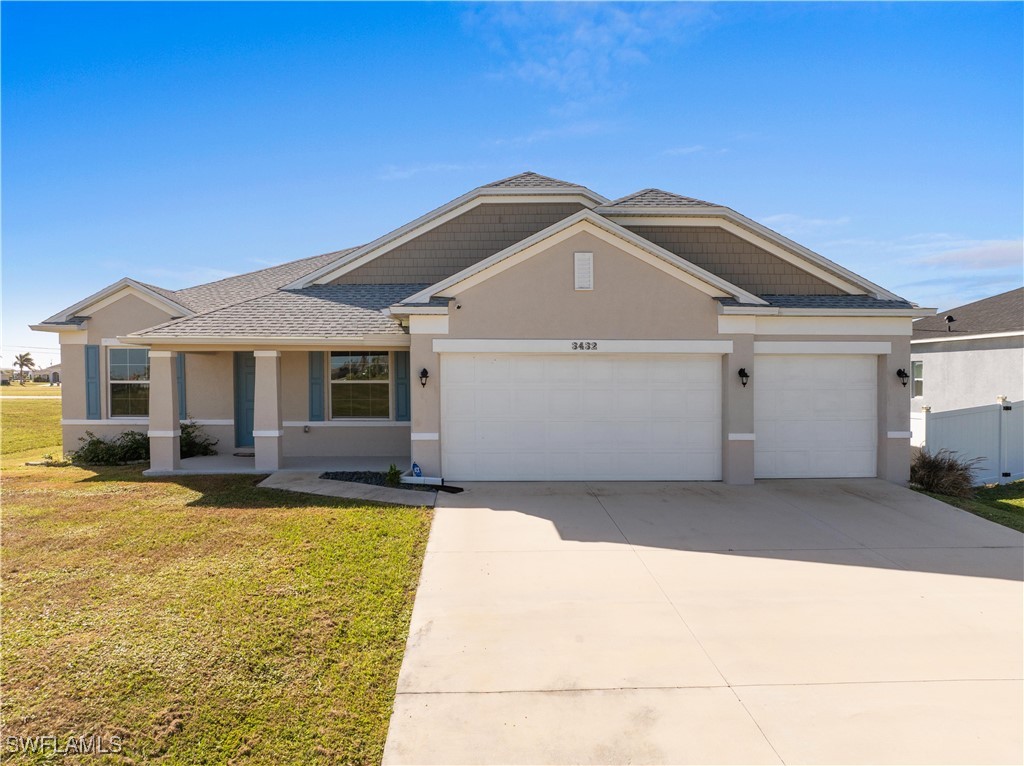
(229, 463)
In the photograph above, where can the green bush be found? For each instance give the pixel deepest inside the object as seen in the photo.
(393, 477)
(133, 446)
(944, 473)
(127, 447)
(194, 441)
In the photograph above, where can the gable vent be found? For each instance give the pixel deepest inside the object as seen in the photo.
(584, 271)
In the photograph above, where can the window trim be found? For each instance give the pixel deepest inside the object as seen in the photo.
(111, 382)
(916, 377)
(329, 388)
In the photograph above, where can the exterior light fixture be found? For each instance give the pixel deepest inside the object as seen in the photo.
(424, 375)
(903, 376)
(744, 376)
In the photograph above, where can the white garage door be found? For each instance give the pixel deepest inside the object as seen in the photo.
(815, 416)
(522, 417)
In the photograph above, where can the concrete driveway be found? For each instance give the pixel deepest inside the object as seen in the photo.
(844, 621)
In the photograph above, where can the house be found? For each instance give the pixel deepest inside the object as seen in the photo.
(49, 374)
(967, 370)
(530, 329)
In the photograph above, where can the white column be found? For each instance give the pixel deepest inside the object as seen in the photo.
(267, 430)
(164, 428)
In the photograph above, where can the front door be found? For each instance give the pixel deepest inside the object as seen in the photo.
(245, 397)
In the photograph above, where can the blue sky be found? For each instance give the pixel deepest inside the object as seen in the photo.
(180, 143)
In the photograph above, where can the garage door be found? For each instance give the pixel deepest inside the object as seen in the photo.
(523, 417)
(814, 416)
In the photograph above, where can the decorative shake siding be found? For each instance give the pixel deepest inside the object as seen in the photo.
(460, 243)
(728, 256)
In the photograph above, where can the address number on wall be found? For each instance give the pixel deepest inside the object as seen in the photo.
(584, 345)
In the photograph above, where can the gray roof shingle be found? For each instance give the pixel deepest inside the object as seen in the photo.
(231, 290)
(1000, 313)
(530, 180)
(320, 311)
(648, 198)
(824, 302)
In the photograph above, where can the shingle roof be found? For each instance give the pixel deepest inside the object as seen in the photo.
(320, 311)
(824, 302)
(530, 180)
(225, 292)
(1000, 313)
(647, 198)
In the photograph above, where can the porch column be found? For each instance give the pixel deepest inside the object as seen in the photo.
(164, 427)
(738, 412)
(267, 430)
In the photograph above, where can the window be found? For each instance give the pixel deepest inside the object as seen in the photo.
(128, 373)
(917, 375)
(360, 384)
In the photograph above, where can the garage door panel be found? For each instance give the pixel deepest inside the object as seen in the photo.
(581, 417)
(815, 416)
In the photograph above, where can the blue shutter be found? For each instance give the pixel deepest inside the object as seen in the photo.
(402, 406)
(316, 385)
(182, 407)
(92, 382)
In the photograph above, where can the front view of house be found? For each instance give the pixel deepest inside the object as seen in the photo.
(529, 330)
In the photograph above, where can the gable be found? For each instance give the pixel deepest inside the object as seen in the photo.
(124, 314)
(460, 243)
(743, 263)
(536, 298)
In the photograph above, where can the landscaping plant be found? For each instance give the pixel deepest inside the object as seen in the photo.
(944, 473)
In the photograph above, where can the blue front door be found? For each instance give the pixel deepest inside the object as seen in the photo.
(245, 397)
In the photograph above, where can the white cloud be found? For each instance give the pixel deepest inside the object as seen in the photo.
(795, 225)
(580, 48)
(402, 172)
(570, 130)
(983, 254)
(683, 150)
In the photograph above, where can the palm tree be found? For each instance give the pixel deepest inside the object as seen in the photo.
(24, 361)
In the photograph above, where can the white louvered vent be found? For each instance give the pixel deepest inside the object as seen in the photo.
(584, 271)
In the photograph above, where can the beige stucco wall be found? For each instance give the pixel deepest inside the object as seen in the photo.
(632, 300)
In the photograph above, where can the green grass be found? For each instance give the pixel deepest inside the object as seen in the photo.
(29, 424)
(203, 620)
(30, 389)
(1001, 503)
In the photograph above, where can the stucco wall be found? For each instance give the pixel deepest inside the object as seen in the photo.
(970, 373)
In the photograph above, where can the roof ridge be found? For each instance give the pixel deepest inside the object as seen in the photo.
(531, 175)
(655, 190)
(266, 268)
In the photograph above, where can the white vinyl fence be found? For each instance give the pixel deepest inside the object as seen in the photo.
(994, 432)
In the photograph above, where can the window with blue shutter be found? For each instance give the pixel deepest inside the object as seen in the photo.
(402, 393)
(316, 385)
(92, 382)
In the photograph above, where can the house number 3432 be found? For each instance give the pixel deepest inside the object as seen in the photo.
(584, 345)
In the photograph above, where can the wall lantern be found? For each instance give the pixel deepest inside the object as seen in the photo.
(423, 377)
(744, 376)
(902, 375)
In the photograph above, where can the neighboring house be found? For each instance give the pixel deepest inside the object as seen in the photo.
(51, 374)
(967, 373)
(529, 330)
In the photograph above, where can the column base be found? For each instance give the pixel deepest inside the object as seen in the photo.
(165, 451)
(268, 453)
(738, 461)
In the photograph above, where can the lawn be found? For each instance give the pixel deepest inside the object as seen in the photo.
(202, 620)
(30, 389)
(1001, 503)
(29, 424)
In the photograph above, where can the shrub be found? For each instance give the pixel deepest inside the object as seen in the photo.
(393, 477)
(133, 446)
(127, 447)
(944, 473)
(194, 441)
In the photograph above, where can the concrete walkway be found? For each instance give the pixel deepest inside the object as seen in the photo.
(311, 483)
(789, 622)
